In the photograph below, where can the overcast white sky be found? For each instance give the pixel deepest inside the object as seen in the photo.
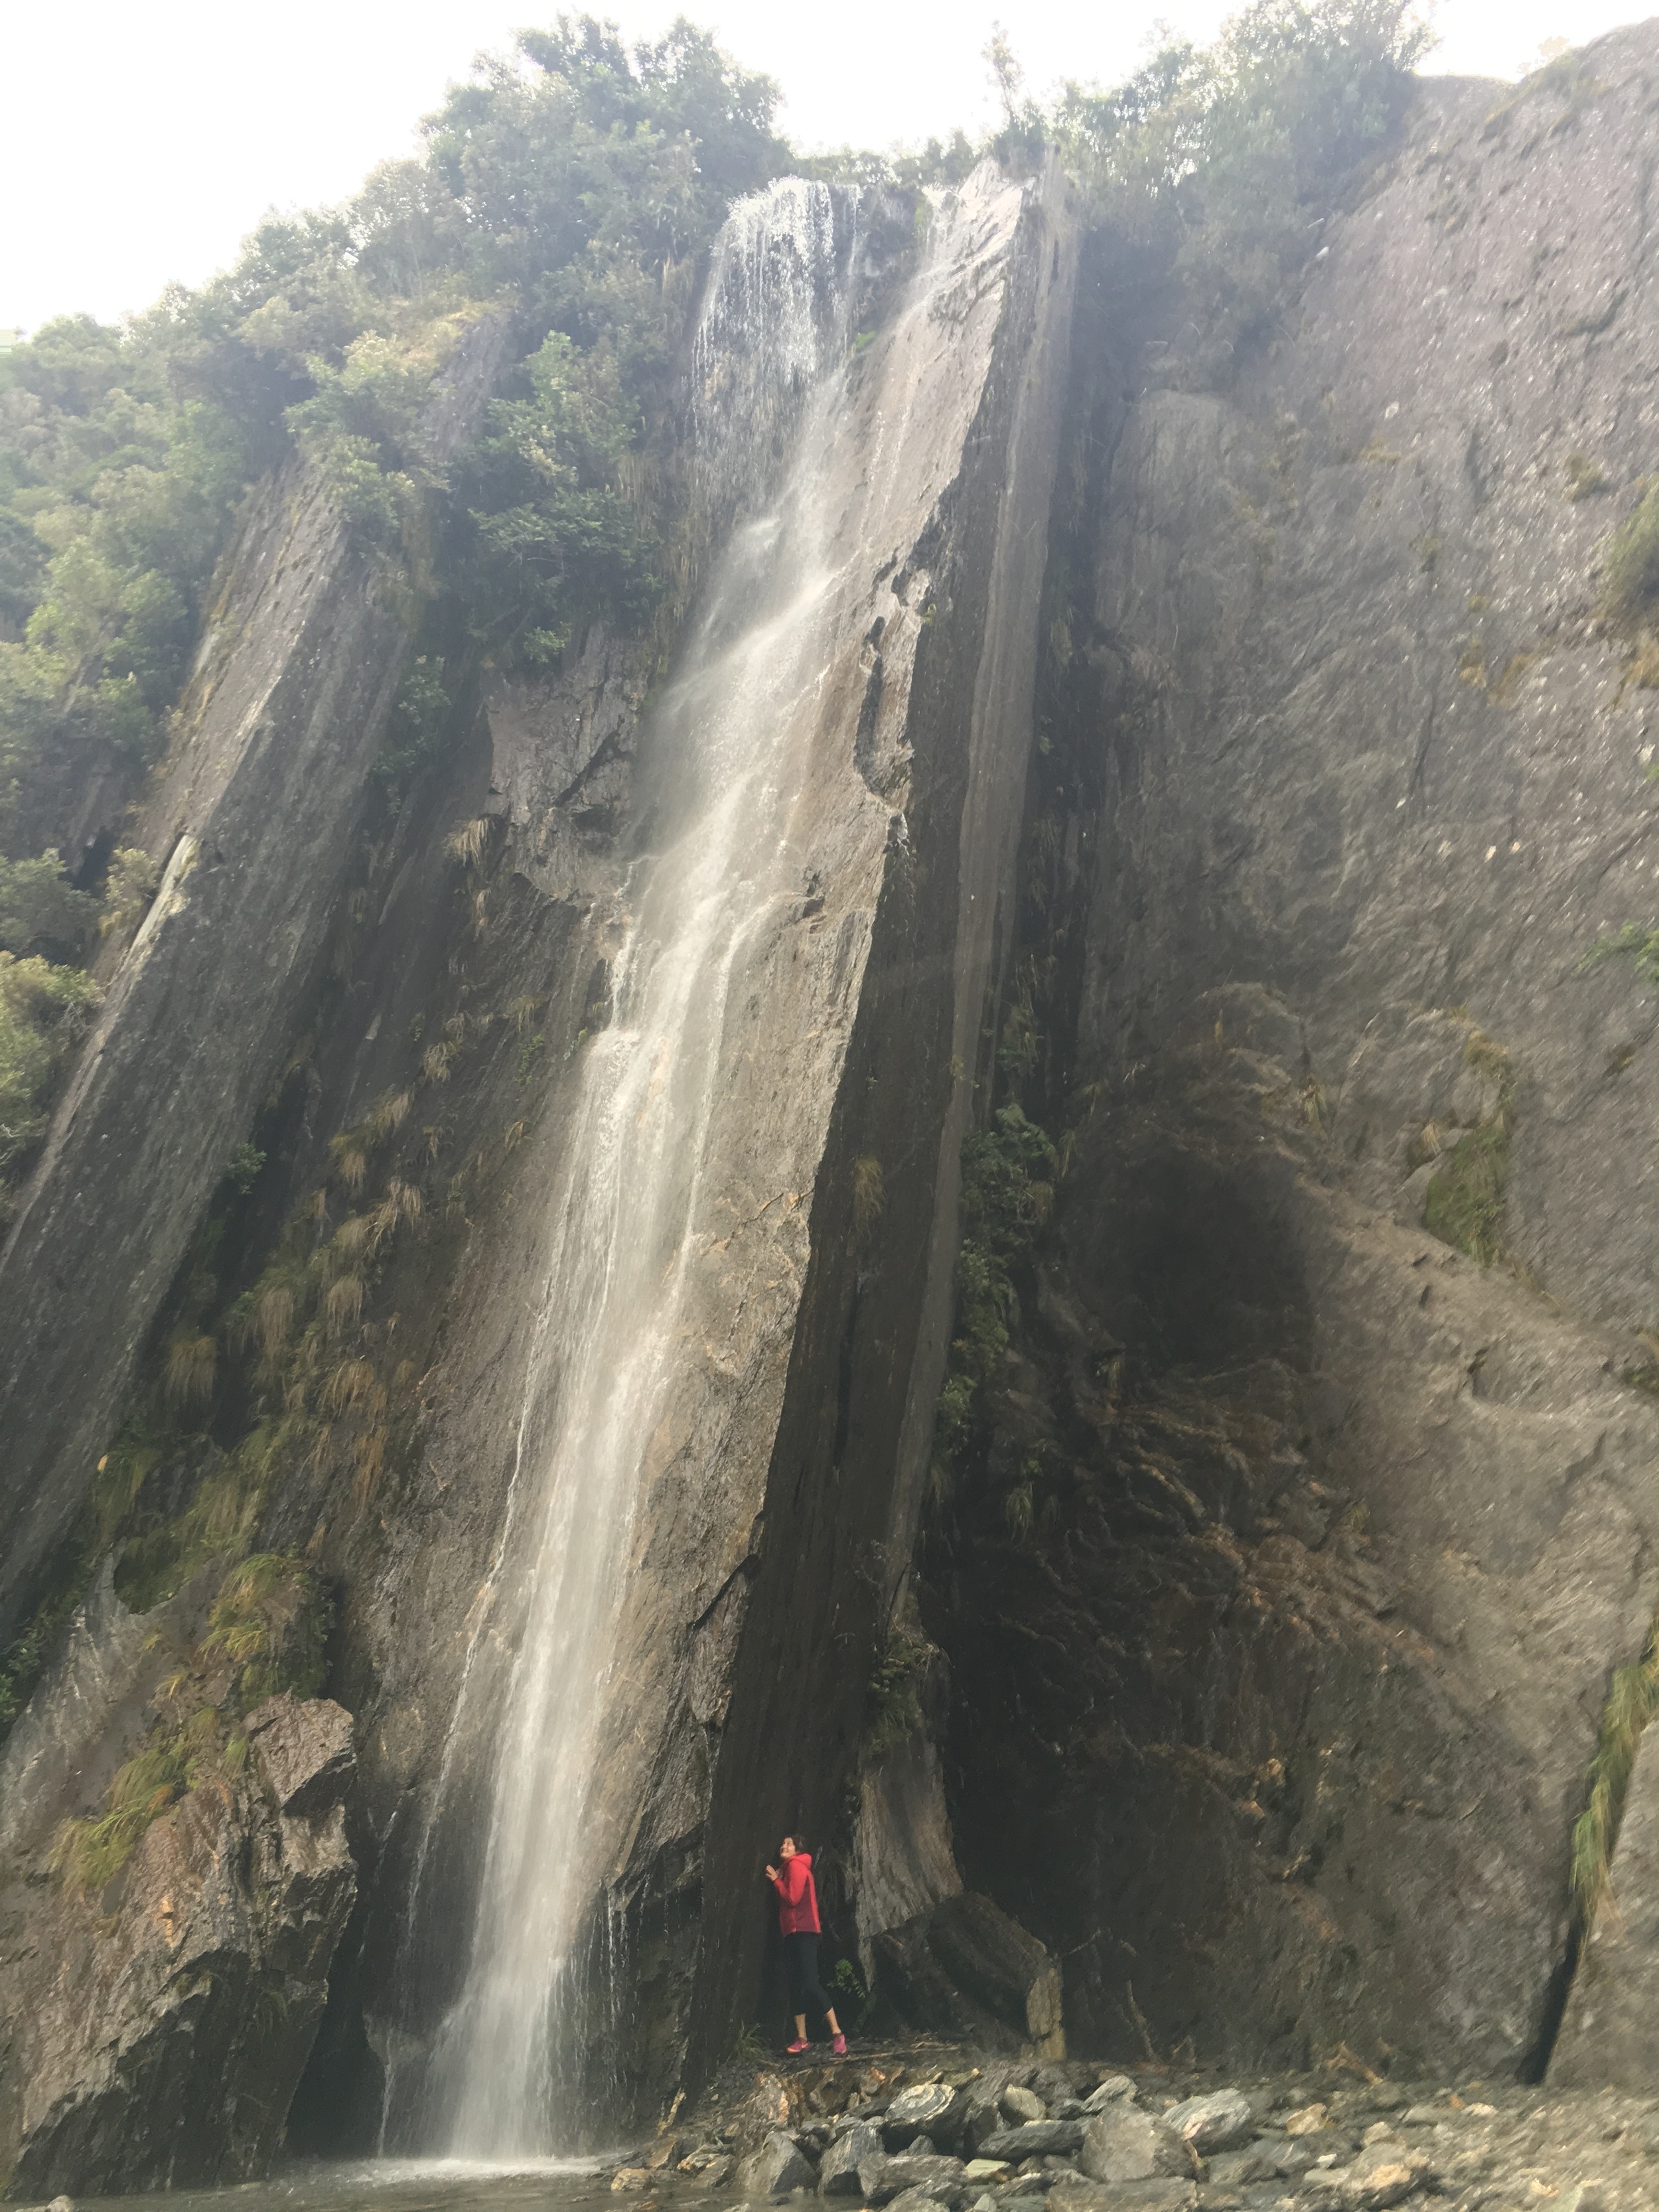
(140, 142)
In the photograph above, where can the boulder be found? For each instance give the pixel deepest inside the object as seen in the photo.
(303, 1751)
(1112, 2091)
(919, 2199)
(1125, 2144)
(776, 2167)
(1219, 2122)
(1035, 2139)
(924, 2109)
(1383, 2176)
(838, 2169)
(881, 2178)
(1021, 2104)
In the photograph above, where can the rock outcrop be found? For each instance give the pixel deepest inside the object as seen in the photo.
(253, 816)
(156, 2031)
(1326, 1389)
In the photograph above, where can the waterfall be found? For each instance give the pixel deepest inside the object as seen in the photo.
(733, 748)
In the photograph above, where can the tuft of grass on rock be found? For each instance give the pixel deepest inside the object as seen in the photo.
(1632, 1700)
(1465, 1198)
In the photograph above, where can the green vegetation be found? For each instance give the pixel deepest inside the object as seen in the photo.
(1632, 1700)
(1630, 565)
(566, 192)
(1007, 1189)
(265, 1634)
(44, 1011)
(1585, 478)
(1465, 1197)
(1223, 160)
(894, 1711)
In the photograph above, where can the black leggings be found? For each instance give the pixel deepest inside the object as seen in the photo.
(800, 1959)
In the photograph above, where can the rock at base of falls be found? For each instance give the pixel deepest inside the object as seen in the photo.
(1606, 2032)
(1126, 2144)
(965, 1967)
(776, 2168)
(158, 2030)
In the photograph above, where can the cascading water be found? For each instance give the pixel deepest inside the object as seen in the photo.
(732, 748)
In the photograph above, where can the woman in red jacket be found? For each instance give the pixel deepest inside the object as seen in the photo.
(798, 1916)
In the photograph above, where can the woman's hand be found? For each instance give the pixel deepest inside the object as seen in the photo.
(771, 1873)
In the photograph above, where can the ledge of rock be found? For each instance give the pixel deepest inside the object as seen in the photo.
(156, 2033)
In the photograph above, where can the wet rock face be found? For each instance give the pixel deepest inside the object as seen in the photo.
(1337, 1530)
(156, 2033)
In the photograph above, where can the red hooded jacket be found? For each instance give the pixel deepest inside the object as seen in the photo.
(798, 1896)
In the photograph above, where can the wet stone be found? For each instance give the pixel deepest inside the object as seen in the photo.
(1126, 2144)
(776, 2167)
(1022, 2105)
(1220, 2121)
(838, 2172)
(1115, 2089)
(1035, 2140)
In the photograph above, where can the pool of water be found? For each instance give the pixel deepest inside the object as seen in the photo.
(563, 2185)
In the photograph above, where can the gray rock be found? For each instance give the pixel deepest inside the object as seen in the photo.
(1157, 2194)
(1124, 2144)
(1112, 2090)
(1219, 2122)
(162, 2040)
(1022, 2105)
(776, 2167)
(716, 2173)
(1034, 2139)
(921, 2197)
(919, 2108)
(1441, 867)
(838, 2169)
(883, 2178)
(1234, 2169)
(304, 1753)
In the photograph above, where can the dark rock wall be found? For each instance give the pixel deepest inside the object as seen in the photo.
(1276, 1720)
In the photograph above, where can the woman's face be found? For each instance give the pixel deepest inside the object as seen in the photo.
(787, 1848)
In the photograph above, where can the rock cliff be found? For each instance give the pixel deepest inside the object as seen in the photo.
(1330, 1406)
(1254, 1645)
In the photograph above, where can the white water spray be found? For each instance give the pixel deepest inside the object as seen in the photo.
(733, 748)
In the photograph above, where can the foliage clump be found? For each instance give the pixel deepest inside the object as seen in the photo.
(1008, 1189)
(1629, 564)
(1465, 1198)
(1632, 1702)
(566, 193)
(266, 1628)
(894, 1706)
(44, 1011)
(1223, 160)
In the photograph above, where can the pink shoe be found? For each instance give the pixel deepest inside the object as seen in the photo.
(839, 2046)
(794, 2050)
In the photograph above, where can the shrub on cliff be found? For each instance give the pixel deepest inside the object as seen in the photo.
(1225, 160)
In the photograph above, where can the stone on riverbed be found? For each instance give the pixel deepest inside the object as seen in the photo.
(776, 2168)
(1219, 2122)
(1022, 2105)
(1114, 2089)
(917, 2111)
(884, 2178)
(1037, 2139)
(838, 2170)
(1124, 2144)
